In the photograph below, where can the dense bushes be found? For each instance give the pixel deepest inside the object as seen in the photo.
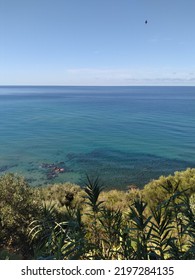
(64, 221)
(158, 190)
(18, 205)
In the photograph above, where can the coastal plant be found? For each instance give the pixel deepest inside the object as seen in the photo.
(76, 246)
(65, 197)
(141, 230)
(93, 188)
(190, 216)
(18, 206)
(59, 236)
(106, 231)
(73, 223)
(47, 234)
(127, 249)
(161, 234)
(111, 225)
(184, 245)
(177, 208)
(95, 231)
(154, 192)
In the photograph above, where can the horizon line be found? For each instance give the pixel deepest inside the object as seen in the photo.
(30, 85)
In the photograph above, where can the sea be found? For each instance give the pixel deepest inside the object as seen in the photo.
(126, 136)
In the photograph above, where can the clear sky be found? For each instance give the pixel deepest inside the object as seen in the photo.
(97, 42)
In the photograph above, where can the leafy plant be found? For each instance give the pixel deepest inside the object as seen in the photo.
(18, 205)
(47, 234)
(66, 222)
(161, 235)
(141, 228)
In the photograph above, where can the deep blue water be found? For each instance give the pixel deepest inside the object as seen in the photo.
(127, 135)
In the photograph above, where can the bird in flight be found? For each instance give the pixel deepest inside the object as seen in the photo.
(146, 21)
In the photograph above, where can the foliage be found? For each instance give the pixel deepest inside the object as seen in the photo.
(156, 191)
(64, 221)
(46, 233)
(18, 205)
(63, 197)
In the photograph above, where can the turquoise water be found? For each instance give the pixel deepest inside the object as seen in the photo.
(127, 135)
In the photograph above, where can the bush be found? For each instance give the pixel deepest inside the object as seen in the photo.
(64, 221)
(161, 189)
(18, 205)
(64, 197)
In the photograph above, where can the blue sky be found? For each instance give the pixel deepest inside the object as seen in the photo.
(97, 42)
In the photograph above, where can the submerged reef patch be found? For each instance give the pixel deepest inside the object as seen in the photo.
(54, 169)
(120, 169)
(5, 168)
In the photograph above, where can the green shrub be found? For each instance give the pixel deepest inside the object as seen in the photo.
(156, 191)
(18, 204)
(64, 221)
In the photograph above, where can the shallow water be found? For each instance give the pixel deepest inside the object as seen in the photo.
(127, 135)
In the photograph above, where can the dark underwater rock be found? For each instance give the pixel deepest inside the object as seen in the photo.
(6, 167)
(54, 169)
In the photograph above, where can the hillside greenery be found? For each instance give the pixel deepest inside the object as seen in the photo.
(65, 221)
